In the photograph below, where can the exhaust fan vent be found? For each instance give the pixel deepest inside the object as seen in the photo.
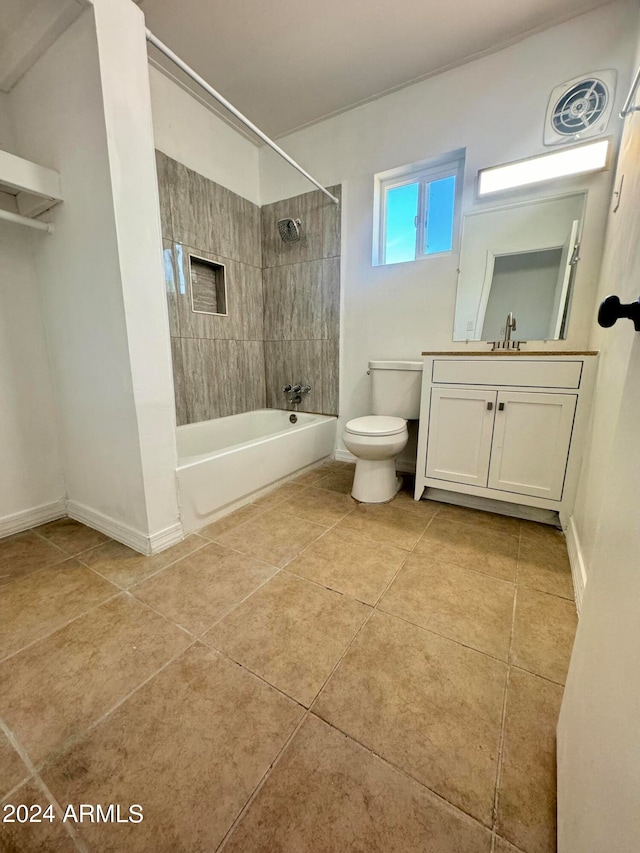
(580, 108)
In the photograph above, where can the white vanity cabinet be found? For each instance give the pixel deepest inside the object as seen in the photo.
(506, 426)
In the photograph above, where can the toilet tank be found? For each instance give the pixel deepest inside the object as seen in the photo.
(395, 388)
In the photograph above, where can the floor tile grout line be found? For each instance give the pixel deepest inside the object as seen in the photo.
(380, 542)
(290, 559)
(278, 569)
(48, 541)
(261, 783)
(76, 554)
(94, 569)
(198, 636)
(377, 609)
(313, 541)
(35, 572)
(319, 523)
(320, 585)
(61, 626)
(306, 714)
(157, 612)
(205, 544)
(520, 668)
(356, 635)
(453, 565)
(479, 524)
(442, 636)
(530, 586)
(211, 538)
(23, 781)
(402, 770)
(35, 776)
(81, 735)
(213, 648)
(308, 710)
(503, 724)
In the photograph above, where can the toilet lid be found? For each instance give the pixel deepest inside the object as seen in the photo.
(376, 425)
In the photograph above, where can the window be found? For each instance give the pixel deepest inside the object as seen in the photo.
(417, 210)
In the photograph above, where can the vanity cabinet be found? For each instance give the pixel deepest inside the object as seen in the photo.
(505, 427)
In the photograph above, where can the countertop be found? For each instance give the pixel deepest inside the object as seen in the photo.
(480, 353)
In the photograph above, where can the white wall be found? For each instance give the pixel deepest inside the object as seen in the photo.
(598, 743)
(6, 131)
(494, 107)
(190, 132)
(126, 99)
(93, 288)
(31, 483)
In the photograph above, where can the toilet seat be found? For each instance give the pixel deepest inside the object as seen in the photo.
(373, 425)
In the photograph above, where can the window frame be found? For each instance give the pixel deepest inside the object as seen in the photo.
(423, 174)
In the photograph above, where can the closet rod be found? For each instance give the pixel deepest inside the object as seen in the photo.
(628, 104)
(26, 220)
(225, 103)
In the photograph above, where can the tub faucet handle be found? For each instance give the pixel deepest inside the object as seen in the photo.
(286, 389)
(306, 389)
(296, 389)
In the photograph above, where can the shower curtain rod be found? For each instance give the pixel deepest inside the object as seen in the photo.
(225, 103)
(26, 220)
(628, 104)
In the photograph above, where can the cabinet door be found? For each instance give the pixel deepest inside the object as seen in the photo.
(531, 443)
(460, 429)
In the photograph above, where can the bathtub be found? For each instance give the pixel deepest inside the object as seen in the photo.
(226, 462)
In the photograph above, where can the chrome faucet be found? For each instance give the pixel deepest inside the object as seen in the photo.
(509, 327)
(507, 343)
(295, 393)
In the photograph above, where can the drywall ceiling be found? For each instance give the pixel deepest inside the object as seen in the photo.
(27, 29)
(287, 64)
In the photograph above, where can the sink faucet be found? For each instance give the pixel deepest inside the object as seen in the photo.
(507, 343)
(510, 327)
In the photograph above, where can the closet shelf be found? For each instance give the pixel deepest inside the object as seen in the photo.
(28, 190)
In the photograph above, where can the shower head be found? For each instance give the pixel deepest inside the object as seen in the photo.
(289, 230)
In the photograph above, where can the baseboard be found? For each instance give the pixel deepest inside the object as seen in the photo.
(404, 466)
(138, 540)
(27, 518)
(165, 538)
(576, 559)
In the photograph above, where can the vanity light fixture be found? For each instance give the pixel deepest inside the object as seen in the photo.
(591, 157)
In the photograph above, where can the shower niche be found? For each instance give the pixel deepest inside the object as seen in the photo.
(208, 286)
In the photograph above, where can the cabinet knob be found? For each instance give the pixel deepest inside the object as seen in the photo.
(489, 406)
(501, 407)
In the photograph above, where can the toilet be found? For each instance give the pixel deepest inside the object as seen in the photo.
(378, 439)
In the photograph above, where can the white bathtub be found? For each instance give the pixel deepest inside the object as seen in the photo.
(223, 462)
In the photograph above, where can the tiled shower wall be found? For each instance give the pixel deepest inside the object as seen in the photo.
(301, 283)
(282, 330)
(218, 362)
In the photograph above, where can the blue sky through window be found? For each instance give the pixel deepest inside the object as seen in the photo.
(440, 202)
(402, 209)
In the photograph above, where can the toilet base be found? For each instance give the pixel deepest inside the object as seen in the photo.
(375, 481)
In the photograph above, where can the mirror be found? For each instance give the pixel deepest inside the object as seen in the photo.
(518, 259)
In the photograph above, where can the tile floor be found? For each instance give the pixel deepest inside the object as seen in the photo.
(307, 674)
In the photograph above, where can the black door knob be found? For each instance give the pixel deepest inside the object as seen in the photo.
(612, 309)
